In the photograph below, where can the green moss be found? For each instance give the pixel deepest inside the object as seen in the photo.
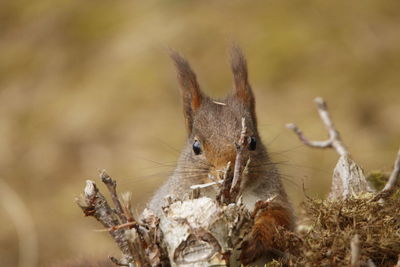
(273, 263)
(378, 179)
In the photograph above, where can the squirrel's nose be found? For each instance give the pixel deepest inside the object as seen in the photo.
(221, 167)
(219, 156)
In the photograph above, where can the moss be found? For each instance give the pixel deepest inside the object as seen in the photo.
(274, 263)
(378, 179)
(332, 225)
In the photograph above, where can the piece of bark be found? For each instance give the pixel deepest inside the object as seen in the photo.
(201, 232)
(348, 179)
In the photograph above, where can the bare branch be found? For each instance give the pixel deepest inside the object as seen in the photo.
(334, 136)
(393, 182)
(93, 203)
(395, 175)
(348, 177)
(111, 186)
(304, 139)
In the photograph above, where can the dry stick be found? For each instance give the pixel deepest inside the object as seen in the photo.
(94, 204)
(240, 162)
(355, 251)
(334, 137)
(126, 199)
(117, 227)
(111, 186)
(394, 176)
(393, 182)
(125, 215)
(201, 186)
(223, 194)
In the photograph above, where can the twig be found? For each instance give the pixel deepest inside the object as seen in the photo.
(111, 186)
(201, 186)
(126, 199)
(355, 251)
(394, 176)
(93, 203)
(393, 182)
(334, 136)
(224, 192)
(223, 195)
(348, 177)
(117, 227)
(241, 161)
(230, 189)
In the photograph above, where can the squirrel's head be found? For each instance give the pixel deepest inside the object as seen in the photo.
(213, 126)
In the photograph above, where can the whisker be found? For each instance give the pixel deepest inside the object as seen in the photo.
(288, 149)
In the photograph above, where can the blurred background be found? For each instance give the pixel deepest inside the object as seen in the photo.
(87, 85)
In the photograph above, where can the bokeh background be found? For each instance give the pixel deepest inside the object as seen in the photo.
(87, 85)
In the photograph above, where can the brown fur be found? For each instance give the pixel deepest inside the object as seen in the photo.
(261, 239)
(217, 127)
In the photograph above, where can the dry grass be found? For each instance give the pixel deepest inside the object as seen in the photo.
(328, 228)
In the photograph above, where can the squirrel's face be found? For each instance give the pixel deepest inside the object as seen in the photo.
(214, 127)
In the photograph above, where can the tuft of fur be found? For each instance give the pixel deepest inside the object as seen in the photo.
(191, 93)
(239, 68)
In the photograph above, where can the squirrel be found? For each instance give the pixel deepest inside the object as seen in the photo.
(213, 127)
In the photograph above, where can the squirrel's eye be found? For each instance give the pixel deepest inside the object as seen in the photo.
(196, 147)
(252, 143)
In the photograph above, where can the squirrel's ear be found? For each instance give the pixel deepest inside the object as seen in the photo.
(191, 93)
(242, 89)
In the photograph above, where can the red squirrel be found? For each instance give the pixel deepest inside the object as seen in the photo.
(213, 127)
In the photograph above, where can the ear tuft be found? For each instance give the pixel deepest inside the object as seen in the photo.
(239, 67)
(242, 88)
(191, 93)
(187, 80)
